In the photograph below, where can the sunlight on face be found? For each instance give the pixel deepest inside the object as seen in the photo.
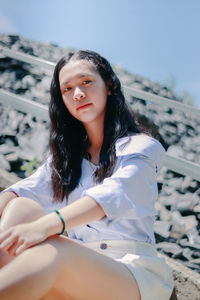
(83, 91)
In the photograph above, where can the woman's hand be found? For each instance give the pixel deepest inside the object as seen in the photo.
(20, 237)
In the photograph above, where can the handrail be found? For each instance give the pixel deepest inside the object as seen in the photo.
(24, 105)
(30, 59)
(192, 110)
(40, 111)
(170, 103)
(182, 166)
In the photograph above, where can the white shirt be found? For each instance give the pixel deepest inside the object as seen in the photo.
(127, 197)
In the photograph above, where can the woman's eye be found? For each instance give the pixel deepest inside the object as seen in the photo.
(66, 90)
(85, 82)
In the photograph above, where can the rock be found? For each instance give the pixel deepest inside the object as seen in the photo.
(189, 184)
(169, 248)
(28, 81)
(175, 150)
(186, 243)
(187, 253)
(6, 149)
(178, 224)
(7, 179)
(195, 261)
(25, 146)
(190, 223)
(164, 213)
(39, 141)
(162, 228)
(186, 201)
(4, 163)
(197, 209)
(194, 237)
(190, 265)
(185, 207)
(12, 157)
(196, 254)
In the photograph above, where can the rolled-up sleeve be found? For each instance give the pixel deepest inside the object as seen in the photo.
(38, 187)
(132, 190)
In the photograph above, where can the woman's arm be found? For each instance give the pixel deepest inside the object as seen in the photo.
(5, 199)
(78, 213)
(20, 237)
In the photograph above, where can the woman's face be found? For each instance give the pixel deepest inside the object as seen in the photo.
(83, 91)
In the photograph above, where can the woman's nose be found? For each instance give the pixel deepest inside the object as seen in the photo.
(78, 94)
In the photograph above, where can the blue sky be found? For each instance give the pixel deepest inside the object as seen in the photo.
(153, 38)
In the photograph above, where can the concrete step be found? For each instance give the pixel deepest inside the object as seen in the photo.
(186, 281)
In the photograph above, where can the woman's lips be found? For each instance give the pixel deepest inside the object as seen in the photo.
(83, 106)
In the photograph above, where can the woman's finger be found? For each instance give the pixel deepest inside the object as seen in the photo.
(21, 248)
(4, 235)
(12, 250)
(8, 242)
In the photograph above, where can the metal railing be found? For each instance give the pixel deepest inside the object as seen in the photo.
(33, 60)
(170, 103)
(40, 111)
(22, 104)
(188, 109)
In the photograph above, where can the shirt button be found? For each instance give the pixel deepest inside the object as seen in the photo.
(103, 246)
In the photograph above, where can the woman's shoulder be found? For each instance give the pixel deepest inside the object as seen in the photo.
(140, 145)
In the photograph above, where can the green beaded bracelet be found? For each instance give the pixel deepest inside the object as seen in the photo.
(63, 222)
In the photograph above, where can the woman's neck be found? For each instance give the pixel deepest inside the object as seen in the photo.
(95, 135)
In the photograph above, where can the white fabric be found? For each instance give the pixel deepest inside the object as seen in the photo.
(153, 275)
(127, 197)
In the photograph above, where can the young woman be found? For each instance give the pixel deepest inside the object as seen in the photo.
(99, 185)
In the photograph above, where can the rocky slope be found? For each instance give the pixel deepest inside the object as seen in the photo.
(24, 142)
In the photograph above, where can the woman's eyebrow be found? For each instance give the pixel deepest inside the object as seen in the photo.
(78, 76)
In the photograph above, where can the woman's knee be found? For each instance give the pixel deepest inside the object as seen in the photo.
(20, 210)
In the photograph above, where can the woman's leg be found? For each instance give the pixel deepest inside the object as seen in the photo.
(70, 268)
(75, 270)
(19, 210)
(4, 258)
(22, 210)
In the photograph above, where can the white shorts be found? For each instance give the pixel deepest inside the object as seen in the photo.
(153, 275)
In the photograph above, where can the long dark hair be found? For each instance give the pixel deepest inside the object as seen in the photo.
(68, 137)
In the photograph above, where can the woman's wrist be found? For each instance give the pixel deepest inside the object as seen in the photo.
(51, 224)
(62, 220)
